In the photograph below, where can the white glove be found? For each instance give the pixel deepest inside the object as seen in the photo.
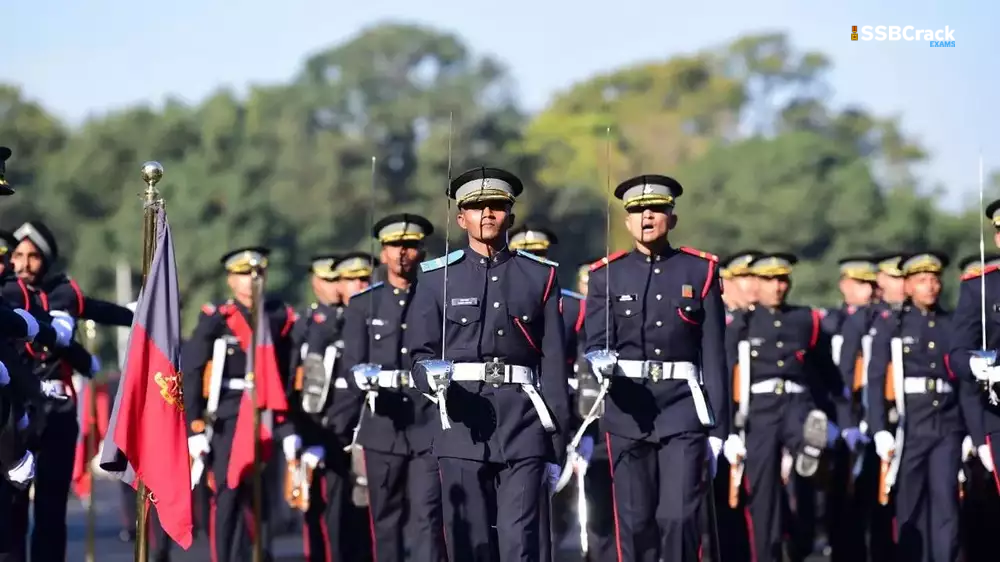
(312, 456)
(95, 365)
(853, 436)
(885, 443)
(980, 367)
(198, 445)
(291, 445)
(29, 320)
(24, 472)
(4, 375)
(714, 447)
(62, 320)
(132, 306)
(64, 334)
(361, 380)
(734, 449)
(55, 389)
(986, 457)
(967, 448)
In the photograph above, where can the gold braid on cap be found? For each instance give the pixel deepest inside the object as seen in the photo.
(242, 263)
(649, 200)
(487, 194)
(771, 267)
(400, 236)
(922, 264)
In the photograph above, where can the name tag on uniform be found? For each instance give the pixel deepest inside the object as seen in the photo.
(468, 301)
(378, 322)
(996, 308)
(626, 298)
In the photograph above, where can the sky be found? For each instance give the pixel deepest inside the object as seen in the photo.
(84, 58)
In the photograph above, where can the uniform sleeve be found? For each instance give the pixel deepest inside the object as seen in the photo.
(714, 362)
(554, 387)
(966, 330)
(877, 366)
(595, 327)
(106, 313)
(423, 337)
(820, 360)
(851, 331)
(355, 339)
(195, 355)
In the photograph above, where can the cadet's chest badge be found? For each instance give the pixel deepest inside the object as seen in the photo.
(687, 291)
(319, 317)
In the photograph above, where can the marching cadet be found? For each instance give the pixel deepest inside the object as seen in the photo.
(55, 427)
(659, 351)
(397, 430)
(739, 288)
(215, 358)
(534, 239)
(487, 341)
(786, 390)
(7, 245)
(845, 506)
(935, 412)
(336, 528)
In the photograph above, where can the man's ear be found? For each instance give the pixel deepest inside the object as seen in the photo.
(460, 220)
(672, 222)
(510, 220)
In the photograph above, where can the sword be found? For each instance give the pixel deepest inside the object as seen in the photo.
(989, 356)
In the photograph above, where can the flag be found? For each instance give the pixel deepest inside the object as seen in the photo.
(147, 433)
(82, 482)
(270, 395)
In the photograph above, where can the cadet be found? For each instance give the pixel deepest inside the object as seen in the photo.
(397, 431)
(664, 337)
(909, 360)
(7, 245)
(847, 507)
(502, 350)
(739, 288)
(335, 527)
(53, 436)
(216, 356)
(786, 383)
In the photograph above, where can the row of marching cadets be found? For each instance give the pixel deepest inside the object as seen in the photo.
(40, 307)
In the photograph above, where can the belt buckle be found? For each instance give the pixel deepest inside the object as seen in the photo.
(404, 379)
(654, 370)
(931, 385)
(780, 387)
(495, 371)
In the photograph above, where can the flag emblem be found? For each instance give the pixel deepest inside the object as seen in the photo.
(171, 389)
(687, 291)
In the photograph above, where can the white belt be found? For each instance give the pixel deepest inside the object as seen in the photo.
(394, 379)
(671, 370)
(926, 385)
(241, 384)
(776, 386)
(573, 383)
(501, 373)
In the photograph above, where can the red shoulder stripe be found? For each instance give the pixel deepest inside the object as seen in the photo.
(973, 275)
(290, 318)
(699, 253)
(606, 260)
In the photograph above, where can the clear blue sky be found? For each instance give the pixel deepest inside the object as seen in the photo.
(86, 57)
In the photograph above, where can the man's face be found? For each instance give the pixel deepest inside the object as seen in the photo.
(923, 288)
(856, 293)
(772, 290)
(326, 291)
(485, 221)
(647, 224)
(892, 288)
(352, 286)
(731, 293)
(749, 288)
(27, 261)
(240, 285)
(401, 257)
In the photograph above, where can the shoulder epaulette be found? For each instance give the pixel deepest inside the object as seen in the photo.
(571, 294)
(975, 274)
(369, 289)
(438, 263)
(608, 259)
(208, 309)
(699, 253)
(536, 258)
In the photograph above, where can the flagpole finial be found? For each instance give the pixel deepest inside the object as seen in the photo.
(152, 173)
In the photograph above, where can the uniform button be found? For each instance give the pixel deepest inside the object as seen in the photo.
(402, 303)
(779, 344)
(230, 351)
(906, 349)
(934, 403)
(481, 260)
(496, 305)
(659, 297)
(494, 278)
(499, 332)
(781, 363)
(658, 323)
(378, 336)
(753, 353)
(658, 258)
(930, 324)
(628, 313)
(656, 270)
(930, 345)
(656, 351)
(402, 326)
(933, 365)
(395, 291)
(648, 259)
(777, 323)
(524, 318)
(404, 351)
(464, 320)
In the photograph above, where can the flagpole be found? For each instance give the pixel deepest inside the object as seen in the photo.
(152, 173)
(90, 341)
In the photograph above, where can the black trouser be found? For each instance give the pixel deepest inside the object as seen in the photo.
(927, 505)
(492, 511)
(404, 494)
(335, 529)
(54, 459)
(657, 490)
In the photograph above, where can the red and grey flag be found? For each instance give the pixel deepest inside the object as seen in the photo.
(147, 434)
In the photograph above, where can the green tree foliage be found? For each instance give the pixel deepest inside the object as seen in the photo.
(747, 128)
